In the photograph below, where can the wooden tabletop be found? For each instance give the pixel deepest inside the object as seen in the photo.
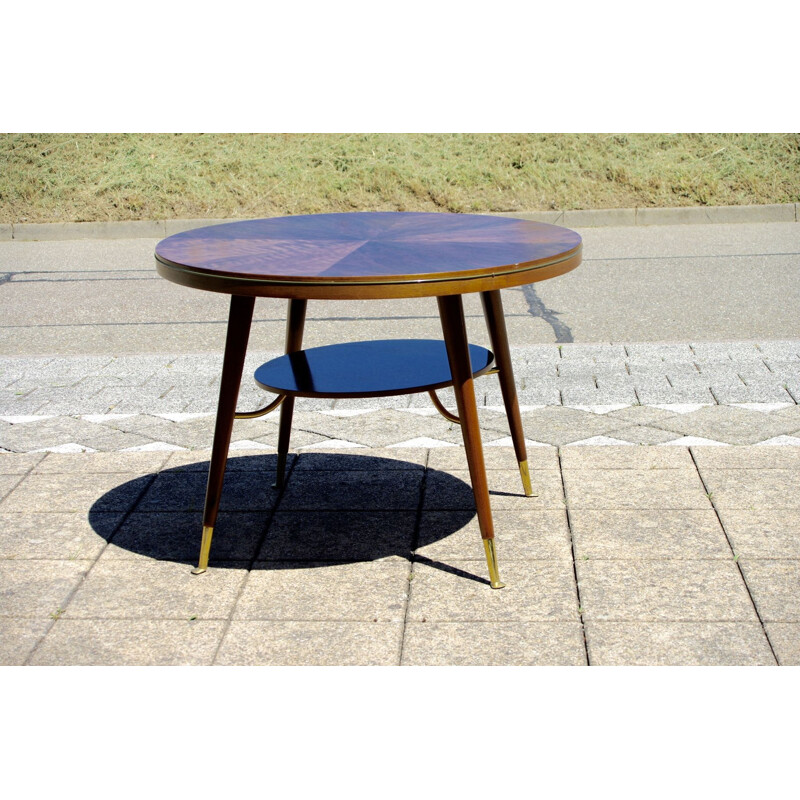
(368, 254)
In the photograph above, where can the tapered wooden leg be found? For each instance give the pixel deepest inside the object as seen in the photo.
(496, 323)
(239, 319)
(295, 323)
(451, 312)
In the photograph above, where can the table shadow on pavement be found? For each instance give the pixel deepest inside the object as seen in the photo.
(333, 508)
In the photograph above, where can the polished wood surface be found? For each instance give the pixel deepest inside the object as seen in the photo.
(496, 325)
(451, 313)
(366, 369)
(368, 255)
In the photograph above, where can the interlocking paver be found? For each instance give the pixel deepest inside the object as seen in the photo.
(728, 424)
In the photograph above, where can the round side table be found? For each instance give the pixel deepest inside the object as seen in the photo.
(369, 255)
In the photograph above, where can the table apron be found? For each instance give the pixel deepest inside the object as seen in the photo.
(368, 290)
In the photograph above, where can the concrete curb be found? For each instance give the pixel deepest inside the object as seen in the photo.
(580, 218)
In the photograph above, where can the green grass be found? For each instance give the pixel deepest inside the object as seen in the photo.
(87, 177)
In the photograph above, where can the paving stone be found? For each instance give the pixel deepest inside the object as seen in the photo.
(387, 427)
(536, 392)
(720, 373)
(459, 592)
(350, 490)
(783, 350)
(126, 589)
(372, 403)
(728, 424)
(18, 464)
(288, 643)
(639, 415)
(759, 371)
(665, 393)
(764, 533)
(536, 355)
(654, 353)
(191, 434)
(86, 463)
(531, 372)
(604, 394)
(18, 638)
(752, 489)
(72, 493)
(340, 535)
(27, 436)
(262, 461)
(635, 489)
(8, 483)
(677, 644)
(447, 458)
(580, 369)
(737, 351)
(175, 536)
(775, 587)
(594, 352)
(763, 457)
(54, 535)
(753, 392)
(38, 588)
(638, 458)
(24, 403)
(453, 491)
(642, 535)
(314, 591)
(792, 413)
(377, 459)
(674, 590)
(519, 535)
(785, 639)
(130, 642)
(658, 370)
(560, 425)
(186, 491)
(641, 434)
(557, 644)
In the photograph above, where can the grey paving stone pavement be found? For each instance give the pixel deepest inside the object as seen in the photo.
(626, 555)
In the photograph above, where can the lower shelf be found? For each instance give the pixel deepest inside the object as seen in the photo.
(366, 369)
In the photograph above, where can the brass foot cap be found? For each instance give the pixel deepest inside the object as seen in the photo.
(497, 584)
(198, 571)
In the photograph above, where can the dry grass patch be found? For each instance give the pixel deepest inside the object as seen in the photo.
(87, 177)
